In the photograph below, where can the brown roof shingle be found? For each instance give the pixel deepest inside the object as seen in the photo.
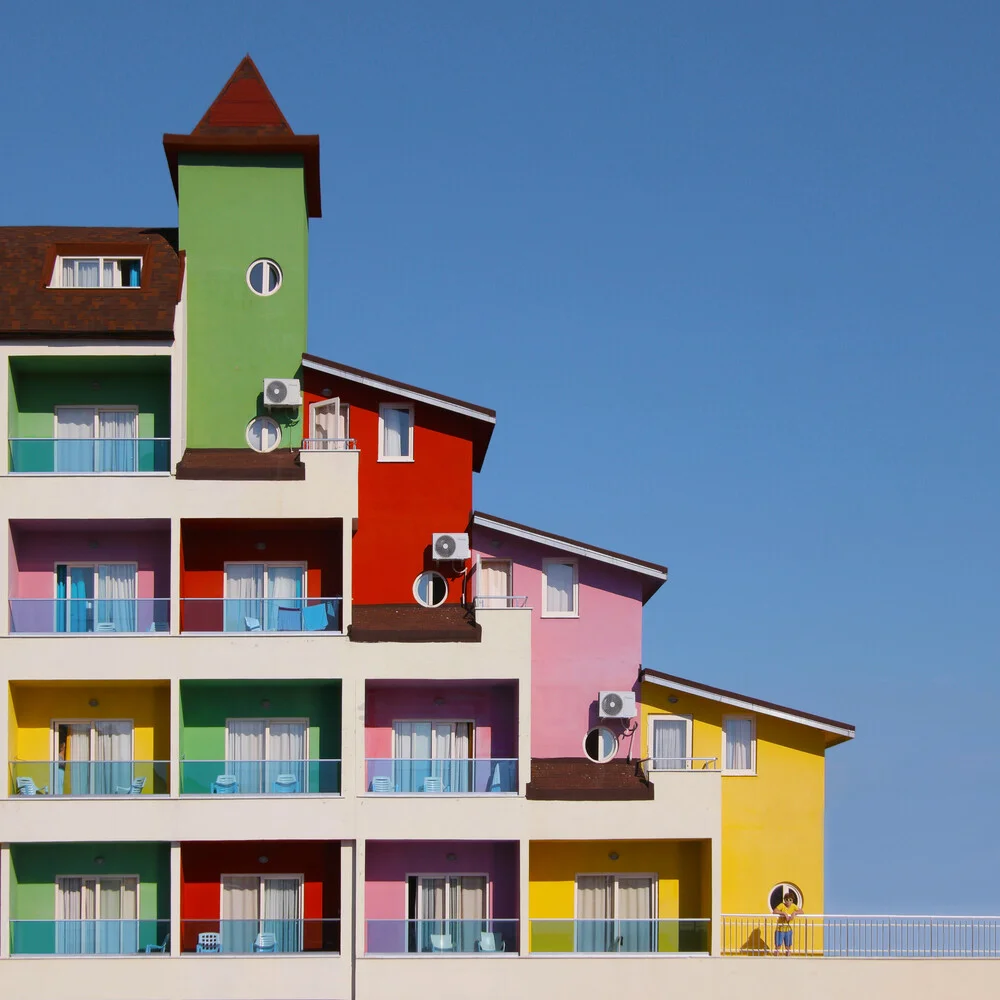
(28, 306)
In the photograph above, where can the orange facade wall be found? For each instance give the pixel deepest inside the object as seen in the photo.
(401, 504)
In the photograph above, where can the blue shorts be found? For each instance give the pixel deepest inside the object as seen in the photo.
(783, 939)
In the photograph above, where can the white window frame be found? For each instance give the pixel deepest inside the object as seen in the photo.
(270, 291)
(262, 877)
(493, 600)
(54, 739)
(785, 886)
(263, 418)
(471, 723)
(688, 740)
(273, 564)
(487, 895)
(98, 409)
(597, 728)
(97, 893)
(430, 572)
(753, 745)
(575, 613)
(342, 410)
(268, 721)
(56, 599)
(654, 903)
(57, 271)
(382, 457)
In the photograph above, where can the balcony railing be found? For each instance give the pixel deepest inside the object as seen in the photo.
(329, 444)
(844, 936)
(260, 777)
(89, 937)
(444, 777)
(624, 937)
(681, 763)
(87, 616)
(265, 936)
(489, 601)
(89, 456)
(441, 937)
(47, 778)
(250, 616)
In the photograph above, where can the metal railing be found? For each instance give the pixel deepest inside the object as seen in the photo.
(89, 456)
(490, 601)
(681, 763)
(47, 778)
(89, 937)
(88, 615)
(260, 777)
(444, 777)
(441, 937)
(329, 444)
(621, 937)
(852, 936)
(239, 616)
(265, 936)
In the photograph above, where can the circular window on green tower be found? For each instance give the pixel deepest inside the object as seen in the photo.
(264, 277)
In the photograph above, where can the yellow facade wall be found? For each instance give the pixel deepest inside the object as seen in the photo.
(772, 821)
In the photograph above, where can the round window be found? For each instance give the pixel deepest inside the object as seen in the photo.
(777, 894)
(430, 589)
(264, 277)
(263, 434)
(600, 744)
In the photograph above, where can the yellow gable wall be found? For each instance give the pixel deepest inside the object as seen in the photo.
(772, 822)
(34, 708)
(678, 864)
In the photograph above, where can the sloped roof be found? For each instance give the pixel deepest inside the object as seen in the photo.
(28, 306)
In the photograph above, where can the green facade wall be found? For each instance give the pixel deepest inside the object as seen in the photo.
(34, 868)
(232, 211)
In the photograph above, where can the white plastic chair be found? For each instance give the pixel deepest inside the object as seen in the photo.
(442, 942)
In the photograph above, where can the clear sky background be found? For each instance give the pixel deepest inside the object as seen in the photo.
(727, 272)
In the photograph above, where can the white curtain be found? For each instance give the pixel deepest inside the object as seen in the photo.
(117, 932)
(559, 587)
(245, 753)
(739, 739)
(452, 747)
(635, 914)
(240, 912)
(244, 596)
(116, 586)
(595, 911)
(112, 274)
(117, 447)
(412, 749)
(495, 580)
(112, 756)
(329, 426)
(284, 592)
(75, 903)
(670, 744)
(74, 447)
(81, 273)
(286, 753)
(281, 908)
(78, 755)
(396, 432)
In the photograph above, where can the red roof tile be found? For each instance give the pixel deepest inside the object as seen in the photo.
(244, 107)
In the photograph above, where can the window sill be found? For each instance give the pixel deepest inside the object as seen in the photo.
(389, 458)
(559, 614)
(739, 774)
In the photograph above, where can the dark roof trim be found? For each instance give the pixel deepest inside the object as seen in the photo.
(654, 570)
(399, 388)
(842, 730)
(241, 465)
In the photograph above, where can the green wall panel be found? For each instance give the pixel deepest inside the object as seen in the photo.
(233, 210)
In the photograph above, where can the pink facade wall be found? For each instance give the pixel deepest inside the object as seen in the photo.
(35, 552)
(572, 659)
(389, 863)
(492, 708)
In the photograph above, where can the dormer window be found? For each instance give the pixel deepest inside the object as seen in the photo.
(97, 272)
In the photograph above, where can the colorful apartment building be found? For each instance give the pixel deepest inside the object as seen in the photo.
(287, 717)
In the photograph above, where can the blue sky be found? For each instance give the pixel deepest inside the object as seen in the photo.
(728, 274)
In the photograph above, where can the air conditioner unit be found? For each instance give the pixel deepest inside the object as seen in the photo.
(616, 705)
(447, 545)
(282, 392)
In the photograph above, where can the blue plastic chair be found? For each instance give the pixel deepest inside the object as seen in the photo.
(150, 948)
(209, 943)
(253, 624)
(381, 783)
(225, 784)
(285, 783)
(265, 943)
(27, 786)
(432, 784)
(134, 789)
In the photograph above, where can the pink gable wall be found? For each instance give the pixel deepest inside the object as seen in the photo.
(574, 658)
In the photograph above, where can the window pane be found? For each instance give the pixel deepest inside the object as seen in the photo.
(670, 744)
(87, 274)
(559, 587)
(257, 277)
(495, 580)
(739, 750)
(395, 432)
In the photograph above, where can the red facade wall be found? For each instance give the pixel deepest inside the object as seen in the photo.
(401, 504)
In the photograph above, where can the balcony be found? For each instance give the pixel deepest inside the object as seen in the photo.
(131, 778)
(93, 457)
(72, 938)
(441, 937)
(254, 616)
(260, 777)
(267, 936)
(88, 616)
(621, 937)
(487, 776)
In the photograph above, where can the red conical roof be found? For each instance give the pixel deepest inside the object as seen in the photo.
(244, 107)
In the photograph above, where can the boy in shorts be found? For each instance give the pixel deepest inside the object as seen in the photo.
(785, 912)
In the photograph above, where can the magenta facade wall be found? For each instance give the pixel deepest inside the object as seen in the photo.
(574, 658)
(35, 552)
(389, 863)
(492, 708)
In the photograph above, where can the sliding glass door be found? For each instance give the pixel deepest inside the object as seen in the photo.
(264, 597)
(95, 597)
(97, 916)
(450, 912)
(432, 756)
(96, 439)
(261, 913)
(615, 913)
(93, 758)
(268, 755)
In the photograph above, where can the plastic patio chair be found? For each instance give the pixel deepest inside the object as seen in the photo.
(209, 943)
(150, 948)
(442, 942)
(381, 783)
(133, 789)
(27, 786)
(253, 624)
(265, 943)
(284, 783)
(105, 627)
(225, 784)
(432, 784)
(488, 942)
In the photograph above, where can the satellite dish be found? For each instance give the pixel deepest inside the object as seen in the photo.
(612, 704)
(444, 547)
(277, 391)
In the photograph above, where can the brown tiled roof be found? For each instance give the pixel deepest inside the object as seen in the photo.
(240, 464)
(413, 623)
(28, 306)
(577, 779)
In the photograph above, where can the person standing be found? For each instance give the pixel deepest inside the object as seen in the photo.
(785, 911)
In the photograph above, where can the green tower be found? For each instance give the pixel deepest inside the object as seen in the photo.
(246, 186)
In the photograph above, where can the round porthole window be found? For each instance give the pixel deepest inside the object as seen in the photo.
(263, 434)
(600, 744)
(264, 277)
(430, 589)
(777, 894)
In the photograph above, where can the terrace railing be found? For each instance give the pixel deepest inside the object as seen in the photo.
(88, 615)
(260, 777)
(441, 937)
(853, 936)
(264, 936)
(252, 616)
(48, 778)
(329, 444)
(489, 601)
(89, 937)
(406, 776)
(621, 937)
(89, 456)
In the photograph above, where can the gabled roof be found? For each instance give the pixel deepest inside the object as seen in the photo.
(837, 732)
(483, 419)
(653, 574)
(28, 306)
(245, 119)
